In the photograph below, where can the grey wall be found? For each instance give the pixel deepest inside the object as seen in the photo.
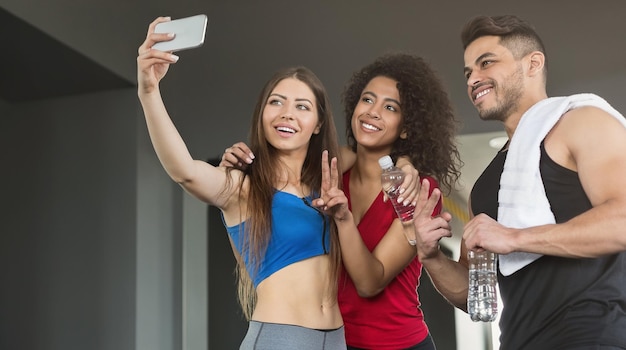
(68, 223)
(159, 228)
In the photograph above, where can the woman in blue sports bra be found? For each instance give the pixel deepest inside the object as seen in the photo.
(286, 249)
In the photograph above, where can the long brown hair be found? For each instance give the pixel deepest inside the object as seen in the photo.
(262, 178)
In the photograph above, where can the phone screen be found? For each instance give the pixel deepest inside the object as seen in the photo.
(189, 32)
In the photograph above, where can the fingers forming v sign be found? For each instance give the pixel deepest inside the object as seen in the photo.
(332, 199)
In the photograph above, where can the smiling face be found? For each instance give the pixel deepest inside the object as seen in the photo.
(495, 79)
(377, 118)
(290, 116)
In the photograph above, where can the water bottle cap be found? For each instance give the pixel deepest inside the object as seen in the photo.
(385, 162)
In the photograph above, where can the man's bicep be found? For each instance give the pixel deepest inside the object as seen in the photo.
(600, 157)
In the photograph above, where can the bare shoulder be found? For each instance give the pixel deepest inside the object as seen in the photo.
(582, 118)
(594, 142)
(591, 127)
(583, 131)
(585, 127)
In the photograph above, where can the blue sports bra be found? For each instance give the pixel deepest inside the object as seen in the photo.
(299, 231)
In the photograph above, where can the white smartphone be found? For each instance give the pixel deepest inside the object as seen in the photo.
(189, 33)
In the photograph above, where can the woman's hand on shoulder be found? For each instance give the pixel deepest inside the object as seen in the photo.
(237, 156)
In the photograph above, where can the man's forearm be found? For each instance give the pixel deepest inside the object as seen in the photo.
(450, 278)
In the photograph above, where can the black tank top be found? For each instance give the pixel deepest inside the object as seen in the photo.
(557, 303)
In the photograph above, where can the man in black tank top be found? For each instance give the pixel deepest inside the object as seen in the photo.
(568, 160)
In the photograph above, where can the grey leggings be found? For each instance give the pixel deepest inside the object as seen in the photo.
(273, 336)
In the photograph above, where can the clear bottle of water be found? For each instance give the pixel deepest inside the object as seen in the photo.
(391, 179)
(482, 300)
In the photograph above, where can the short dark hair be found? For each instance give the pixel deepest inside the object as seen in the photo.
(515, 34)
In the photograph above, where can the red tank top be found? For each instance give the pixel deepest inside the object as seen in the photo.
(392, 319)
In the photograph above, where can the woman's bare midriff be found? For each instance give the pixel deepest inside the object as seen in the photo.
(299, 295)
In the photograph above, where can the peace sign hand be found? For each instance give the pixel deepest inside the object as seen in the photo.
(333, 200)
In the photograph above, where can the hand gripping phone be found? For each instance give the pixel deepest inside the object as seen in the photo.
(189, 32)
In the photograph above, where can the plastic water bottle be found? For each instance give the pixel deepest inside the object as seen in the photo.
(482, 300)
(391, 179)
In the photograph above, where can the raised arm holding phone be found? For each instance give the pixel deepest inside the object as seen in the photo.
(286, 249)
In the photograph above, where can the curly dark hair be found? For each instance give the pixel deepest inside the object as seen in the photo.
(427, 115)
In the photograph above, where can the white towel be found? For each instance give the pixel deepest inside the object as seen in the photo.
(522, 197)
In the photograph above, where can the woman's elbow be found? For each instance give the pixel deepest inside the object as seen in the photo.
(368, 291)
